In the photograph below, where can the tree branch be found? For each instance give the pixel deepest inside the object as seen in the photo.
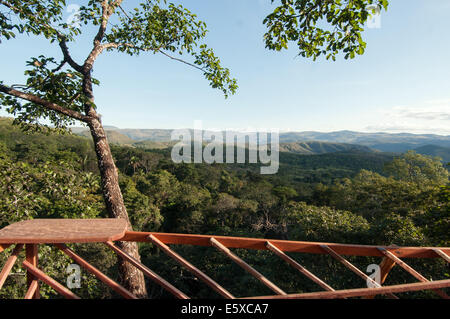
(116, 45)
(10, 6)
(61, 38)
(130, 45)
(66, 54)
(49, 105)
(182, 61)
(59, 67)
(105, 17)
(107, 11)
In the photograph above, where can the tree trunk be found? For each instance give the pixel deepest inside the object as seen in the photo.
(131, 278)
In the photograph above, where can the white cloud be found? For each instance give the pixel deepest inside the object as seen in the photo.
(429, 117)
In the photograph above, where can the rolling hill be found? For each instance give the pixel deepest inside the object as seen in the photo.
(302, 142)
(321, 148)
(434, 150)
(387, 142)
(114, 137)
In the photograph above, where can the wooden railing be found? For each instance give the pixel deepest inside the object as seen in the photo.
(60, 232)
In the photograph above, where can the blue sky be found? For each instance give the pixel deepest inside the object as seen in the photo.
(401, 83)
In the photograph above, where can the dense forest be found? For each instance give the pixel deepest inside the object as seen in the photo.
(343, 197)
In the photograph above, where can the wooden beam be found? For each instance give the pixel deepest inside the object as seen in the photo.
(361, 292)
(299, 267)
(194, 270)
(9, 264)
(386, 266)
(247, 267)
(409, 269)
(97, 273)
(442, 254)
(31, 251)
(31, 290)
(54, 230)
(283, 245)
(349, 265)
(353, 268)
(37, 273)
(149, 273)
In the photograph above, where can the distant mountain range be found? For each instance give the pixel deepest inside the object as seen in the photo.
(387, 142)
(303, 142)
(137, 135)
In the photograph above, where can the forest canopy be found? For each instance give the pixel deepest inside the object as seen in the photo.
(54, 176)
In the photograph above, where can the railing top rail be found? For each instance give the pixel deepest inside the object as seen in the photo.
(286, 245)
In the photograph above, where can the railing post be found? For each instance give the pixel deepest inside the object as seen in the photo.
(32, 258)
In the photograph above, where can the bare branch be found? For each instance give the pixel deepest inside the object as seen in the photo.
(76, 96)
(182, 61)
(126, 15)
(49, 105)
(59, 67)
(130, 45)
(67, 57)
(19, 86)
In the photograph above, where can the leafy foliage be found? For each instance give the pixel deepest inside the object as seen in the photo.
(154, 26)
(366, 208)
(157, 27)
(418, 169)
(48, 82)
(36, 17)
(321, 27)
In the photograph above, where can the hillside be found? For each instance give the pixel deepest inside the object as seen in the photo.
(160, 139)
(389, 142)
(434, 150)
(114, 137)
(300, 162)
(147, 144)
(385, 142)
(321, 147)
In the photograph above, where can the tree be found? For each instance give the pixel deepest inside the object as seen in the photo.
(62, 92)
(285, 193)
(419, 169)
(313, 223)
(371, 195)
(436, 221)
(321, 27)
